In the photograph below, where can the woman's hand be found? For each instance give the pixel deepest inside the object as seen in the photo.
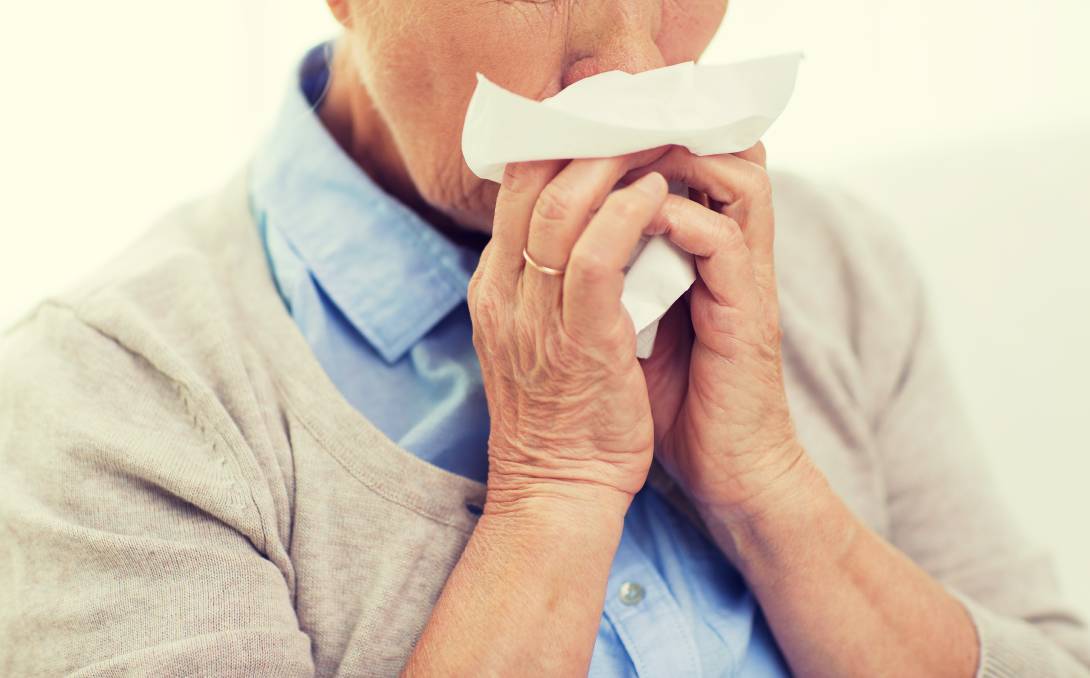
(715, 377)
(568, 402)
(721, 417)
(571, 437)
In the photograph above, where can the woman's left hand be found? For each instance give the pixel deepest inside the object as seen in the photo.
(715, 376)
(723, 430)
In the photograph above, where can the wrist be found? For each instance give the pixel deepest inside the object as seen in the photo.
(532, 498)
(564, 530)
(527, 593)
(524, 480)
(794, 518)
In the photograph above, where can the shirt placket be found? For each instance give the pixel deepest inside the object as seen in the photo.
(647, 619)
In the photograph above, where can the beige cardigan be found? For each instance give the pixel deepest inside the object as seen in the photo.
(184, 492)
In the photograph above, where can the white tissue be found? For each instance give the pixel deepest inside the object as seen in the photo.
(709, 109)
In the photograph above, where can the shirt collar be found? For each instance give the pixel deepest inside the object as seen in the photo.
(387, 270)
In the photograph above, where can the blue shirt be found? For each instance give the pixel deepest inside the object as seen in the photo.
(380, 297)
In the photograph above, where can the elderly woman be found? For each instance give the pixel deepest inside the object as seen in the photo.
(312, 425)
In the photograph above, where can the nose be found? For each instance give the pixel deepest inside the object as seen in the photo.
(613, 35)
(630, 57)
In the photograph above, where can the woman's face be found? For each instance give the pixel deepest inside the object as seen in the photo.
(417, 60)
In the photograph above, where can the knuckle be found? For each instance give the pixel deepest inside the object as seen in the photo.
(589, 267)
(680, 165)
(645, 158)
(624, 210)
(473, 293)
(479, 277)
(730, 235)
(722, 322)
(512, 172)
(485, 312)
(478, 273)
(554, 203)
(625, 206)
(473, 289)
(754, 154)
(516, 177)
(480, 342)
(760, 184)
(678, 154)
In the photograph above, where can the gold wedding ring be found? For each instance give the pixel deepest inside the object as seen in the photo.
(544, 269)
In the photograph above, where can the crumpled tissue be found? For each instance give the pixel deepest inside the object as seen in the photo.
(708, 108)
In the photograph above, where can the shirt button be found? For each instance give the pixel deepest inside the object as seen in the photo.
(631, 593)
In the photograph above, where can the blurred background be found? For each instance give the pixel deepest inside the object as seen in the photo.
(967, 121)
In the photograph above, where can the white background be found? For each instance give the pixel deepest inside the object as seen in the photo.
(968, 121)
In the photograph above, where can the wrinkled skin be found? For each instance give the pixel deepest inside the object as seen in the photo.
(576, 418)
(417, 61)
(570, 404)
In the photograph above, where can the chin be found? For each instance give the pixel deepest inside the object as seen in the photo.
(474, 211)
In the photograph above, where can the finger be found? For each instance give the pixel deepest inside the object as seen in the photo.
(564, 206)
(595, 275)
(723, 259)
(740, 184)
(755, 154)
(563, 210)
(521, 186)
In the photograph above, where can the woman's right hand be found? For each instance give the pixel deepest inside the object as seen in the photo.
(567, 398)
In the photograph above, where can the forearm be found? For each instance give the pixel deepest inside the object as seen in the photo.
(840, 600)
(526, 597)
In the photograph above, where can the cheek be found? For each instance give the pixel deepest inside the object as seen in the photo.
(422, 80)
(688, 26)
